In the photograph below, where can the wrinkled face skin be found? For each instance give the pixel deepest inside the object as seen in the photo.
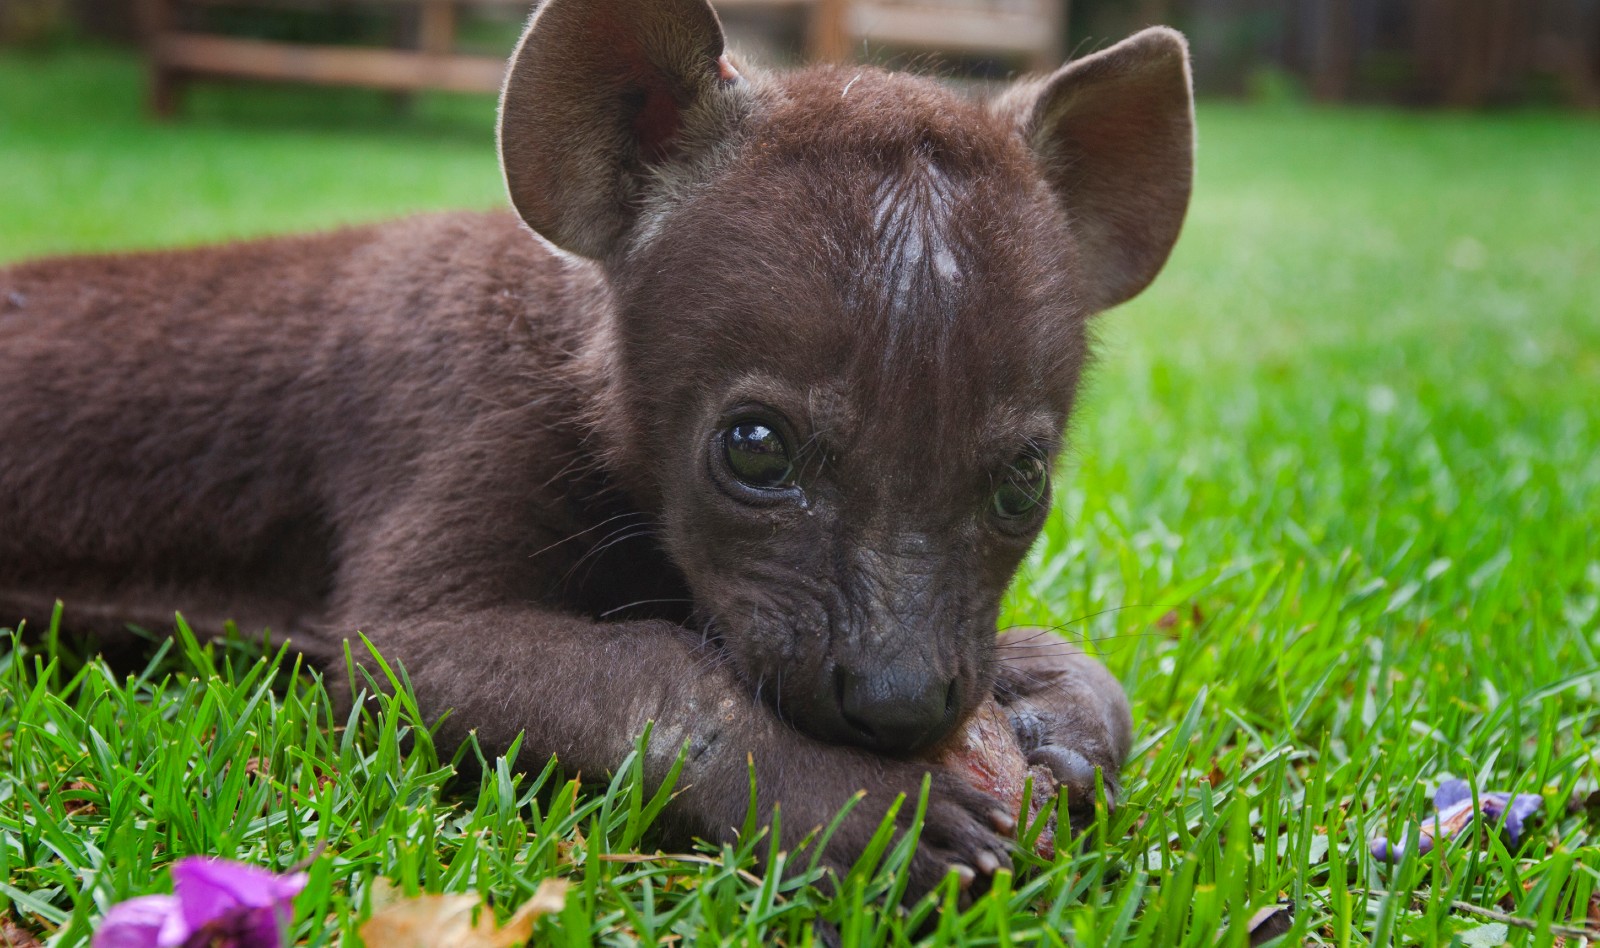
(848, 361)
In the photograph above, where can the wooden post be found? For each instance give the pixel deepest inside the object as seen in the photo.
(1569, 48)
(438, 32)
(1334, 23)
(830, 39)
(434, 33)
(1053, 14)
(165, 84)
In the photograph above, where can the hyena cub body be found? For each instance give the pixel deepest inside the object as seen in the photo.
(754, 458)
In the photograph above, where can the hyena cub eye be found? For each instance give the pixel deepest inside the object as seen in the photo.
(1023, 491)
(755, 459)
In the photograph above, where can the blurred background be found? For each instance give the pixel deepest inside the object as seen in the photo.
(1391, 193)
(1456, 53)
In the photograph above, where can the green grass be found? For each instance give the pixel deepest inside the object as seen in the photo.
(1333, 515)
(84, 170)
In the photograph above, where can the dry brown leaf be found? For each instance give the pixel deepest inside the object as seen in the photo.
(447, 921)
(549, 899)
(76, 806)
(1269, 923)
(12, 936)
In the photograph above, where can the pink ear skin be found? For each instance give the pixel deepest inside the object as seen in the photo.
(660, 118)
(657, 124)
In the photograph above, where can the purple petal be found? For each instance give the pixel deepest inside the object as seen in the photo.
(175, 931)
(1380, 849)
(246, 928)
(1515, 809)
(1492, 805)
(1455, 813)
(1450, 821)
(139, 923)
(1386, 851)
(265, 927)
(1522, 806)
(214, 889)
(1450, 793)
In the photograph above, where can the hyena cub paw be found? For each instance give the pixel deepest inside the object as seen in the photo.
(1070, 716)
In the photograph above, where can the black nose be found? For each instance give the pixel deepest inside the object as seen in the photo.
(897, 710)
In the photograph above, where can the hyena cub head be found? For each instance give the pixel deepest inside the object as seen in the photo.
(849, 322)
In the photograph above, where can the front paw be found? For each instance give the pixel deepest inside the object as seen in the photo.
(964, 830)
(1069, 714)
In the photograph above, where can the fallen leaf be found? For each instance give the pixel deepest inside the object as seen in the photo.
(549, 899)
(11, 936)
(576, 843)
(75, 806)
(447, 921)
(1269, 923)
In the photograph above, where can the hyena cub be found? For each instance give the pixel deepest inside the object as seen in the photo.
(747, 441)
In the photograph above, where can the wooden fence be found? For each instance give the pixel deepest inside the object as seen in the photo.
(179, 51)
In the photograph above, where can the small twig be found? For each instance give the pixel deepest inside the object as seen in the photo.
(744, 874)
(1495, 915)
(311, 857)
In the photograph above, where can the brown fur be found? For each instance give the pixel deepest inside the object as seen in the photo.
(506, 464)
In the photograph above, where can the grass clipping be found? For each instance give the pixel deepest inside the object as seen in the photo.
(454, 921)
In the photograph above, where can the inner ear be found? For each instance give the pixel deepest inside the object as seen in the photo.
(657, 119)
(598, 92)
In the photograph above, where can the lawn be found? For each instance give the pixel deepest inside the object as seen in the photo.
(1332, 513)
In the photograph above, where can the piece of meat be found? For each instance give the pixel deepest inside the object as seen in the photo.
(986, 751)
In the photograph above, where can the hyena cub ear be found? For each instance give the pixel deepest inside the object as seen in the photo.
(600, 95)
(1114, 133)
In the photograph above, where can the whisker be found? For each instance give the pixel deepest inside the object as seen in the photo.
(589, 529)
(593, 555)
(640, 602)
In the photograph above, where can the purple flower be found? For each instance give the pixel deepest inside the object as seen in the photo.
(1455, 812)
(214, 904)
(1515, 808)
(137, 923)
